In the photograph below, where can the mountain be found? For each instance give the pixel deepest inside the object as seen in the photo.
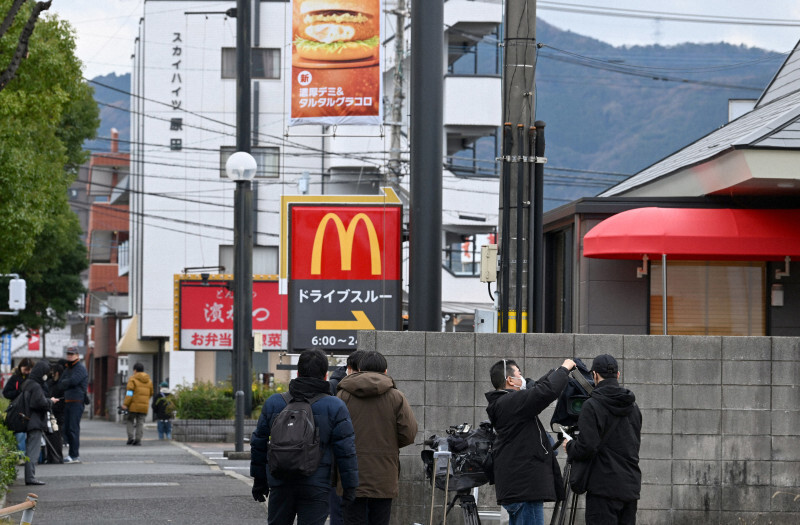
(609, 110)
(111, 92)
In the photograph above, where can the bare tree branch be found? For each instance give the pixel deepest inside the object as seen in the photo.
(22, 43)
(12, 14)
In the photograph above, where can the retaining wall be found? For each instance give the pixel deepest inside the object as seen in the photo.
(721, 415)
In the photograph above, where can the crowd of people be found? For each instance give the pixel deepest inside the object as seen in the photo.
(54, 396)
(362, 420)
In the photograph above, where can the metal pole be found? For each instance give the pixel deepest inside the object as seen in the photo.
(519, 256)
(536, 316)
(427, 70)
(242, 224)
(664, 290)
(398, 95)
(238, 427)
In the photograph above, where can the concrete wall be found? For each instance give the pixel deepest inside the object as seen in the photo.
(721, 415)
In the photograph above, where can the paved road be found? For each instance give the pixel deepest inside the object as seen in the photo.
(158, 482)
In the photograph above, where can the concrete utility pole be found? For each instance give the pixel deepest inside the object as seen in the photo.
(427, 70)
(517, 277)
(395, 155)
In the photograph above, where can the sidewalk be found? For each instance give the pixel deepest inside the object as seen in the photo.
(158, 482)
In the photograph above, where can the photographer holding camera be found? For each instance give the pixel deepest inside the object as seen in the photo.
(526, 472)
(614, 478)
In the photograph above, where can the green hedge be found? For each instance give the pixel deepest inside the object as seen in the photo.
(204, 400)
(9, 455)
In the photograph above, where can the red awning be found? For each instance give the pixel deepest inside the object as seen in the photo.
(696, 234)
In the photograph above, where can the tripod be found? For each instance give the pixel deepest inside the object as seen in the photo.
(561, 511)
(468, 506)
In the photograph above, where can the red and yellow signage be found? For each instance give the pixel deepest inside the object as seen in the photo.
(204, 313)
(336, 76)
(345, 273)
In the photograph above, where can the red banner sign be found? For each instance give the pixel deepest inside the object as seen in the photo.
(204, 320)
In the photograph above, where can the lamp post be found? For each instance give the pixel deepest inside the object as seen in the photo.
(241, 168)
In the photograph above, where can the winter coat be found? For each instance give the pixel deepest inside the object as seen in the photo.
(384, 423)
(33, 390)
(335, 434)
(138, 394)
(161, 405)
(336, 376)
(14, 383)
(525, 467)
(615, 472)
(74, 381)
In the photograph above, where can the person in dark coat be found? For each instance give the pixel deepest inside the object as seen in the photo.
(384, 423)
(38, 405)
(11, 390)
(526, 472)
(614, 479)
(306, 498)
(74, 381)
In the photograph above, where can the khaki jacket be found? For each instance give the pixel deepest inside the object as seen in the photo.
(384, 423)
(139, 392)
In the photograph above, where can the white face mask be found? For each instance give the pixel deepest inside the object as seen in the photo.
(524, 383)
(44, 377)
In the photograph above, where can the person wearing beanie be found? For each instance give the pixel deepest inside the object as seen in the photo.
(163, 410)
(137, 401)
(615, 480)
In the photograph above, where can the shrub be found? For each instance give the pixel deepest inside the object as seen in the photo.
(260, 394)
(203, 400)
(9, 455)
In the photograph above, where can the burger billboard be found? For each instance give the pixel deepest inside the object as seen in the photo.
(336, 62)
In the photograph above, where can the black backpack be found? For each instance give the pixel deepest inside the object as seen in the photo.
(18, 413)
(294, 448)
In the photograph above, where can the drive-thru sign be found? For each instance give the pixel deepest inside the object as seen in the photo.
(345, 273)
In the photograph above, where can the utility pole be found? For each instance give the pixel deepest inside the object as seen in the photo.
(427, 110)
(519, 155)
(395, 156)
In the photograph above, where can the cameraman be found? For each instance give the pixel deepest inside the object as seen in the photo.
(615, 478)
(526, 472)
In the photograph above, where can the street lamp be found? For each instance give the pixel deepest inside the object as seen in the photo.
(241, 168)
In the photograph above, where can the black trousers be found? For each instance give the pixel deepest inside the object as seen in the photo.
(368, 511)
(606, 511)
(308, 503)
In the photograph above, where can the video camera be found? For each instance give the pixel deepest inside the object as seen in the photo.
(470, 451)
(570, 402)
(122, 411)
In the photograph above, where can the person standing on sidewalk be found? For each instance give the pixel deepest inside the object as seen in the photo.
(384, 423)
(11, 390)
(163, 411)
(74, 381)
(38, 405)
(137, 401)
(612, 493)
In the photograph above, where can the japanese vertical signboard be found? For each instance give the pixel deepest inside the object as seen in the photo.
(345, 273)
(336, 77)
(204, 313)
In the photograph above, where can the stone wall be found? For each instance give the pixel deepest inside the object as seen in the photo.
(721, 415)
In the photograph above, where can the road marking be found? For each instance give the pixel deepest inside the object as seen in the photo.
(143, 484)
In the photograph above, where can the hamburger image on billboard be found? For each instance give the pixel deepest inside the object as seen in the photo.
(337, 30)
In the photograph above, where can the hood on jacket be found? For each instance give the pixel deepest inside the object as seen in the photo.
(618, 400)
(39, 370)
(366, 384)
(308, 387)
(142, 377)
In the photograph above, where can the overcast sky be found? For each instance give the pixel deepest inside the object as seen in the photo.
(106, 28)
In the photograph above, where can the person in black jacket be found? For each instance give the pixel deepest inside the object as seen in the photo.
(38, 405)
(526, 472)
(74, 381)
(11, 390)
(614, 479)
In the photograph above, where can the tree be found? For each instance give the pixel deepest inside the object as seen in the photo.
(24, 35)
(52, 274)
(47, 111)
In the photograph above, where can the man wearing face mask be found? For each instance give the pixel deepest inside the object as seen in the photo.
(526, 472)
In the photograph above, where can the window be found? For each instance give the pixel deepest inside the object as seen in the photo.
(709, 298)
(477, 159)
(462, 255)
(265, 259)
(483, 58)
(266, 160)
(265, 63)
